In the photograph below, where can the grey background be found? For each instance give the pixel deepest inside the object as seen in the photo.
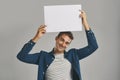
(19, 20)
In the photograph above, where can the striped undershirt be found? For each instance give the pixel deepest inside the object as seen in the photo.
(59, 69)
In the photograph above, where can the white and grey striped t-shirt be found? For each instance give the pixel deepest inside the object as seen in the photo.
(59, 69)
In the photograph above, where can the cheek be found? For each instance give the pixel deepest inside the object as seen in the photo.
(58, 43)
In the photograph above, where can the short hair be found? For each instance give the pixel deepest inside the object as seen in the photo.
(68, 33)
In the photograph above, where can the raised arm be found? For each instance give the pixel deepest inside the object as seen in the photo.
(41, 31)
(92, 43)
(84, 20)
(24, 54)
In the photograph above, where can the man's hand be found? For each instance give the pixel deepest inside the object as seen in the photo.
(40, 32)
(84, 20)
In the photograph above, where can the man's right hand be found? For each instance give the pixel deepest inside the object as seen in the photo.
(40, 32)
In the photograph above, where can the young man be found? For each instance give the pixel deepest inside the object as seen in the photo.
(59, 64)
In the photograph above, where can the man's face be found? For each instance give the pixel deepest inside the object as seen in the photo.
(62, 43)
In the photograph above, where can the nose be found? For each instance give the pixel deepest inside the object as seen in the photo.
(64, 44)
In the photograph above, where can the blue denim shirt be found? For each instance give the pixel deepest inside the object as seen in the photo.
(43, 59)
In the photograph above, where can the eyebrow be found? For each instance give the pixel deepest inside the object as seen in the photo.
(67, 41)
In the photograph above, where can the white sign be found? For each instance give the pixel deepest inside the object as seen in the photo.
(62, 18)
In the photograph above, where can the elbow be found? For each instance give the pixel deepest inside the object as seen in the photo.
(95, 48)
(20, 57)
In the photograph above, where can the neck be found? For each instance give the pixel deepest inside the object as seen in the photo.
(56, 51)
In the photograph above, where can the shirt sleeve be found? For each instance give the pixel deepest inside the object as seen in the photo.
(24, 55)
(90, 48)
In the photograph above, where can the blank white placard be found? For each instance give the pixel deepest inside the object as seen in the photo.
(62, 18)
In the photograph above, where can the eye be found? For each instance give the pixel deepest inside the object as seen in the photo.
(67, 43)
(61, 39)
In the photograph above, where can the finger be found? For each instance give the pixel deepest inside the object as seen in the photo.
(81, 15)
(43, 31)
(42, 26)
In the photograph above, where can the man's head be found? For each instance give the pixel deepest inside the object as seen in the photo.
(63, 39)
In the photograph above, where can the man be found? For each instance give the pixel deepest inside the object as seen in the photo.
(59, 64)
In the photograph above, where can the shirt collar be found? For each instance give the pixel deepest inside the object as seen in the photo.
(52, 53)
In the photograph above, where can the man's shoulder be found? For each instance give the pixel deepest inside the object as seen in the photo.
(72, 50)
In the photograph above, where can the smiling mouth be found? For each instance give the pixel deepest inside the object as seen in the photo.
(61, 48)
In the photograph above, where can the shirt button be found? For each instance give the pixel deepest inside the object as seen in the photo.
(31, 43)
(52, 58)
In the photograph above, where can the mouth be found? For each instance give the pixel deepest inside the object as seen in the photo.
(61, 48)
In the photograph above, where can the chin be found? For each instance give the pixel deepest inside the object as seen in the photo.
(61, 50)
